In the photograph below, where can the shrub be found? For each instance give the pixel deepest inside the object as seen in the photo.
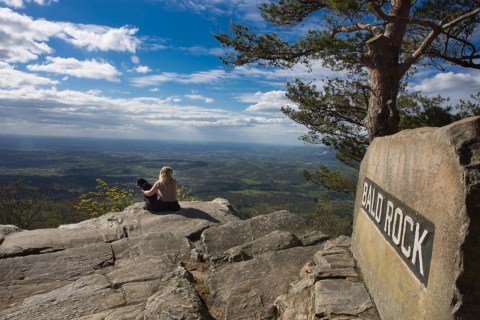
(185, 194)
(104, 200)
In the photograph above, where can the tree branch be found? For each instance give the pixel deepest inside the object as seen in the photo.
(374, 29)
(461, 18)
(461, 60)
(390, 19)
(289, 12)
(431, 37)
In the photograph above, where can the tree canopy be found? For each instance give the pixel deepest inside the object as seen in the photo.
(375, 44)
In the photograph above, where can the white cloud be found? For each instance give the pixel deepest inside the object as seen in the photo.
(245, 10)
(456, 85)
(90, 69)
(21, 3)
(24, 38)
(94, 92)
(49, 111)
(11, 78)
(142, 69)
(94, 37)
(272, 76)
(184, 78)
(266, 102)
(316, 72)
(194, 96)
(201, 50)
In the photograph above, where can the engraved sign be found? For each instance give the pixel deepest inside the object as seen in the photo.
(409, 233)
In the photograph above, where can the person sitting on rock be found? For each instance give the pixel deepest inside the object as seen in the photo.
(167, 186)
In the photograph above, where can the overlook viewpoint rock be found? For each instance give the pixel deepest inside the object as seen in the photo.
(201, 262)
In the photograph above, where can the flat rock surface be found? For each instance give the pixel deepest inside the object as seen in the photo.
(201, 262)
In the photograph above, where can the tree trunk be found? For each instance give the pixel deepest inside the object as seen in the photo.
(382, 63)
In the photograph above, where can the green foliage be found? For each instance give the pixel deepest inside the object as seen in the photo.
(470, 107)
(21, 204)
(334, 117)
(184, 193)
(332, 180)
(420, 111)
(331, 224)
(202, 287)
(387, 38)
(106, 199)
(30, 207)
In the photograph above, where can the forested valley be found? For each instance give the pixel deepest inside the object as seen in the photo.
(45, 177)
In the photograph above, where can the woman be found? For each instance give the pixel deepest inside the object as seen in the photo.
(167, 186)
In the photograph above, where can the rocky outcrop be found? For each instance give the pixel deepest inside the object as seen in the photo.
(418, 205)
(201, 262)
(329, 288)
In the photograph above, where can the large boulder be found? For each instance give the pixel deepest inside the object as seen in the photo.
(416, 233)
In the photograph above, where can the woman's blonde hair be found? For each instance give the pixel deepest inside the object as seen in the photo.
(166, 178)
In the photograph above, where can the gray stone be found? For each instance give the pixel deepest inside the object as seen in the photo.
(331, 274)
(25, 276)
(313, 238)
(298, 303)
(274, 241)
(142, 270)
(177, 299)
(152, 244)
(190, 221)
(51, 240)
(87, 295)
(433, 177)
(248, 289)
(340, 297)
(138, 265)
(5, 230)
(219, 239)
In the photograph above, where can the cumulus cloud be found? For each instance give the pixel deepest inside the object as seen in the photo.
(93, 37)
(90, 69)
(24, 38)
(92, 105)
(21, 3)
(456, 85)
(266, 102)
(195, 96)
(28, 110)
(11, 78)
(142, 69)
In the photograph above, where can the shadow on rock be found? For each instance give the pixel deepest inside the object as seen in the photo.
(190, 213)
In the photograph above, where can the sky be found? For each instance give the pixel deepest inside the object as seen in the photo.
(149, 69)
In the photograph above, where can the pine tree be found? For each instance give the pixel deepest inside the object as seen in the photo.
(385, 38)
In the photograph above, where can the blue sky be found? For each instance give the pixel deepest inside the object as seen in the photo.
(149, 69)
